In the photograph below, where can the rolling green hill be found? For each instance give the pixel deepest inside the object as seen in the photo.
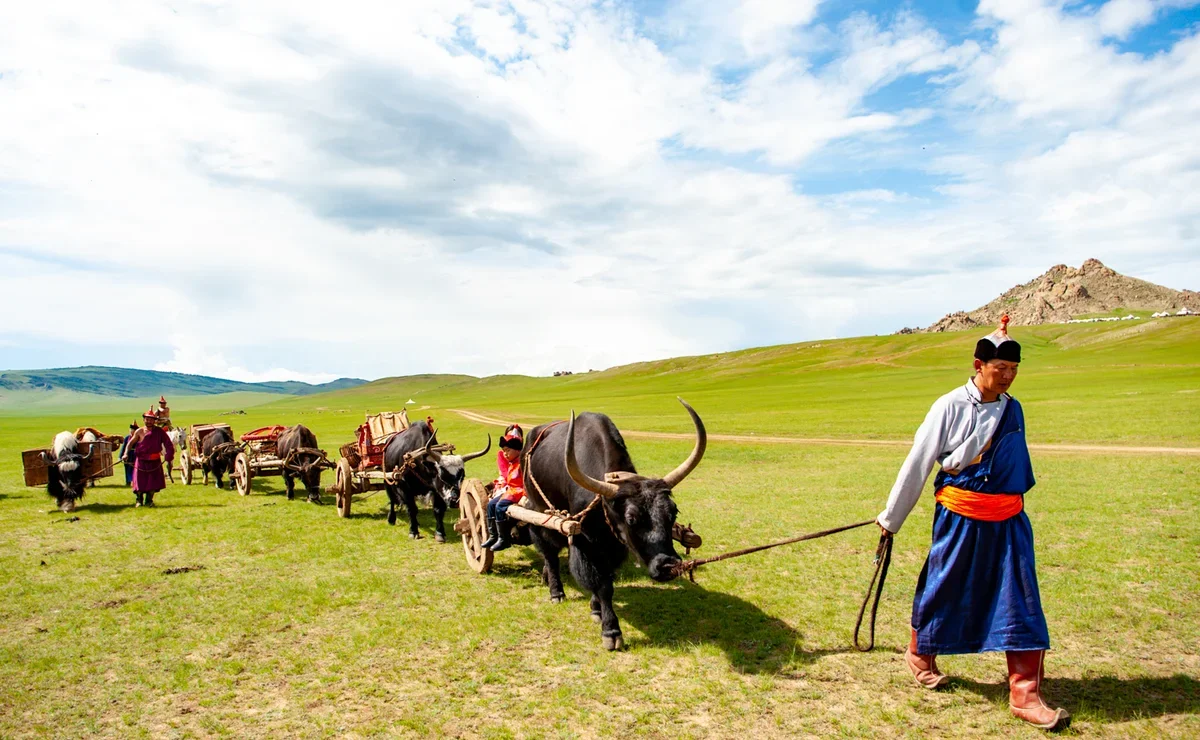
(130, 383)
(1095, 383)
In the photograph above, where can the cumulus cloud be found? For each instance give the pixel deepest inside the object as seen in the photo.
(310, 190)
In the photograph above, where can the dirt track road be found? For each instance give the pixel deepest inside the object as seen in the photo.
(900, 443)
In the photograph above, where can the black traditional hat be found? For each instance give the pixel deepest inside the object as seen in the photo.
(513, 437)
(998, 345)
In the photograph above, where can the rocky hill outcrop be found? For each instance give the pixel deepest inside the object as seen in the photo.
(1063, 293)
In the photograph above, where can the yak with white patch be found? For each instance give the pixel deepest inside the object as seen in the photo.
(64, 470)
(419, 470)
(219, 451)
(297, 447)
(179, 441)
(573, 464)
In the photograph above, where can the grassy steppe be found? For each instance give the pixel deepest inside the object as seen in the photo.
(303, 624)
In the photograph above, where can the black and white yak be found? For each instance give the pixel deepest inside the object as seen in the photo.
(424, 471)
(64, 471)
(219, 452)
(574, 463)
(297, 447)
(179, 441)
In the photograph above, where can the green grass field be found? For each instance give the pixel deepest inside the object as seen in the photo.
(299, 623)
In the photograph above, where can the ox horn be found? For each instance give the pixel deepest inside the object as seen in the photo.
(676, 476)
(48, 460)
(429, 451)
(481, 453)
(599, 487)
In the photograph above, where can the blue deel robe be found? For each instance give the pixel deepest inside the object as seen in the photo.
(978, 591)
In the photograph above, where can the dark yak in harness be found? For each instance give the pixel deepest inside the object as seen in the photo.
(583, 465)
(64, 471)
(416, 469)
(219, 451)
(297, 447)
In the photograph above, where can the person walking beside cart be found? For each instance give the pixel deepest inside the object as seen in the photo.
(121, 454)
(978, 590)
(508, 489)
(145, 450)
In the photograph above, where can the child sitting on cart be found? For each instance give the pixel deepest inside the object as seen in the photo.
(508, 489)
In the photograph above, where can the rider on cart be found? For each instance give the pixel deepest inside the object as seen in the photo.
(508, 489)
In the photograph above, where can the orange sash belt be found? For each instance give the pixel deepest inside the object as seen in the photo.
(985, 507)
(158, 456)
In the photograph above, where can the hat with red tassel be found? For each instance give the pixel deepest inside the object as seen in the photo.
(998, 345)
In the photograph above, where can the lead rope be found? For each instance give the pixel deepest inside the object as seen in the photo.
(883, 558)
(688, 567)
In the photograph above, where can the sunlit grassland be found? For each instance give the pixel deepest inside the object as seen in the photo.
(1122, 384)
(304, 624)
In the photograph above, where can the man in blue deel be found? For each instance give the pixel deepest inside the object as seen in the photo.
(978, 591)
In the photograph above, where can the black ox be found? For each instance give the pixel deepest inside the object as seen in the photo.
(219, 452)
(574, 463)
(297, 447)
(418, 469)
(65, 471)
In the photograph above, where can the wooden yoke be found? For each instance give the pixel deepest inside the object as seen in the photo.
(560, 524)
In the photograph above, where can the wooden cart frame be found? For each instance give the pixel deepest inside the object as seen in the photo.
(260, 457)
(472, 522)
(359, 470)
(192, 457)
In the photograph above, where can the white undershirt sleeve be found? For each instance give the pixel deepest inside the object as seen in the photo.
(928, 444)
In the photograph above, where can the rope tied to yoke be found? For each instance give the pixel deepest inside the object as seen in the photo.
(883, 559)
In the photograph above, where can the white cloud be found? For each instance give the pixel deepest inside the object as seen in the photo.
(313, 190)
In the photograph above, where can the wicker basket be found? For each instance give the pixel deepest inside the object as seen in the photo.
(350, 452)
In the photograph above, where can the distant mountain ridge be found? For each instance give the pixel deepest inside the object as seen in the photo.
(1063, 293)
(123, 382)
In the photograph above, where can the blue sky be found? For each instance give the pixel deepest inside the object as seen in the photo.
(302, 190)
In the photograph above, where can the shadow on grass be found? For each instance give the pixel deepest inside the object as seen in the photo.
(1107, 698)
(752, 640)
(159, 503)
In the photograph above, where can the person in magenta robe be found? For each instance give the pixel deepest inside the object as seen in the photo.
(145, 450)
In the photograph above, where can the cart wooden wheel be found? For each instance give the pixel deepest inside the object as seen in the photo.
(472, 525)
(344, 486)
(241, 473)
(185, 468)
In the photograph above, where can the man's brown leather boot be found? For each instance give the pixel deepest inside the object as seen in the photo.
(1026, 668)
(924, 667)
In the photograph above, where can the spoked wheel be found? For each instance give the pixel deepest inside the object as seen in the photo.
(241, 473)
(472, 525)
(185, 468)
(343, 485)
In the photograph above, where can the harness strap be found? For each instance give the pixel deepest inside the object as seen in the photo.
(528, 455)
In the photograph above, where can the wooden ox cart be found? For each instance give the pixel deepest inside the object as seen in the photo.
(259, 457)
(360, 467)
(192, 456)
(99, 465)
(472, 523)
